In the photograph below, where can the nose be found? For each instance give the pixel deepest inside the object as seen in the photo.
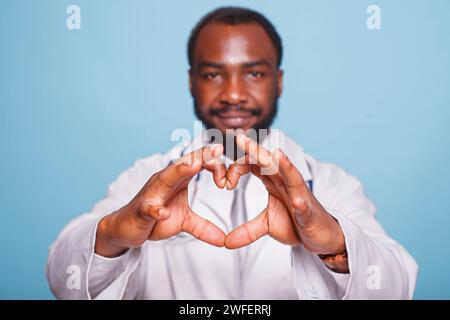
(234, 92)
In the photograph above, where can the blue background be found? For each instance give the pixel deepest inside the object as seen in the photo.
(78, 107)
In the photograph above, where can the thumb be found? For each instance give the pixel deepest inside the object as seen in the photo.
(248, 232)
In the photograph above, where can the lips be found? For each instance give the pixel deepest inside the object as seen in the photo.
(234, 119)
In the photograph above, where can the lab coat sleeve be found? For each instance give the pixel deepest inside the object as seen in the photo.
(72, 264)
(380, 268)
(101, 266)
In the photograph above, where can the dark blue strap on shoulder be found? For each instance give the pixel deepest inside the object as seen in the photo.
(309, 182)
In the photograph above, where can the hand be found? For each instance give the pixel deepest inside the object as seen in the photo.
(160, 210)
(293, 215)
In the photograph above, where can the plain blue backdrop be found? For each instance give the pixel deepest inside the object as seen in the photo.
(78, 107)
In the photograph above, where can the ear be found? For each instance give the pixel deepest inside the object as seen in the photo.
(191, 81)
(280, 82)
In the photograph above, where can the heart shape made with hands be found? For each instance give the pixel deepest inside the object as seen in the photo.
(288, 206)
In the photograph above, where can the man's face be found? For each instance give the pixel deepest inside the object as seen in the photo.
(234, 80)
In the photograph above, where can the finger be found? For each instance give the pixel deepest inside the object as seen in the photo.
(181, 171)
(295, 186)
(258, 154)
(291, 176)
(213, 163)
(292, 179)
(248, 233)
(275, 181)
(236, 170)
(274, 186)
(203, 230)
(209, 157)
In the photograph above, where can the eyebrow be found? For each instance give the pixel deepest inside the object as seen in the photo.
(210, 64)
(257, 63)
(216, 65)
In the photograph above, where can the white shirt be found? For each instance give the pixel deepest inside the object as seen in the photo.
(183, 267)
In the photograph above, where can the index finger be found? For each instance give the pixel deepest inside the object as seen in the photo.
(258, 154)
(185, 168)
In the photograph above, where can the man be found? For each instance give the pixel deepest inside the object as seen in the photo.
(188, 227)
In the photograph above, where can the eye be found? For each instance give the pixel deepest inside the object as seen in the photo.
(211, 75)
(256, 74)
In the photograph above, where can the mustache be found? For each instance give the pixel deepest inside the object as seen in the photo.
(235, 107)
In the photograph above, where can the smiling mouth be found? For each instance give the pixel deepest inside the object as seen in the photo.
(234, 119)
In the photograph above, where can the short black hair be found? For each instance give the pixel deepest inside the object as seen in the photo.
(235, 16)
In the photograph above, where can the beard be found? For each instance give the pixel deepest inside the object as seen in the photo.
(263, 123)
(261, 128)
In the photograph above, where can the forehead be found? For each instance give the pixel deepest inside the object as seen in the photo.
(234, 44)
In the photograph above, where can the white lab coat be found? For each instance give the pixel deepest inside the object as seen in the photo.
(183, 267)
